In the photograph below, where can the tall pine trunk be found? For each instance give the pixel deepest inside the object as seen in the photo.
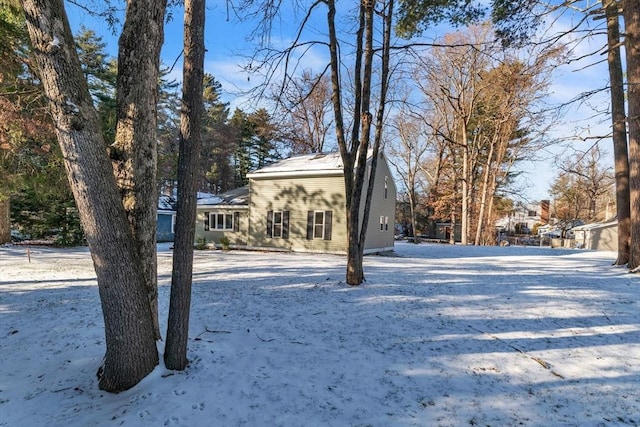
(619, 136)
(131, 350)
(175, 356)
(5, 220)
(134, 152)
(632, 47)
(484, 195)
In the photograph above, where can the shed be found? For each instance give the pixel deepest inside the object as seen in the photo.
(601, 236)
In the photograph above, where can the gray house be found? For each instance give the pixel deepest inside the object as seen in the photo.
(298, 204)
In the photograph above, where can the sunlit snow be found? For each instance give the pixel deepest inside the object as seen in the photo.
(438, 335)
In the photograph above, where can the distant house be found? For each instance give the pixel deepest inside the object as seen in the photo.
(523, 217)
(298, 204)
(601, 236)
(166, 219)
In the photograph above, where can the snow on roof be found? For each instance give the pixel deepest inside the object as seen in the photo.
(595, 225)
(316, 163)
(237, 196)
(166, 203)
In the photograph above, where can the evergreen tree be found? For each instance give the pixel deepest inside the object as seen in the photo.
(215, 172)
(243, 133)
(100, 71)
(31, 172)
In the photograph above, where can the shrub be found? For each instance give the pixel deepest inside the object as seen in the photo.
(201, 243)
(225, 243)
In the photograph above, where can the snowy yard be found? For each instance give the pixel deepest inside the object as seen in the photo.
(438, 336)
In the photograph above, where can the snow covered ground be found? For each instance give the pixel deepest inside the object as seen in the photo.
(438, 336)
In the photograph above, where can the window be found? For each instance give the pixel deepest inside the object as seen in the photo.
(225, 221)
(319, 225)
(533, 213)
(384, 223)
(386, 187)
(278, 224)
(173, 223)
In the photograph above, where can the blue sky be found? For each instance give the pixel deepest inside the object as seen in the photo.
(228, 47)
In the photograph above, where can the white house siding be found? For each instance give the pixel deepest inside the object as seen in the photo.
(297, 196)
(600, 237)
(605, 238)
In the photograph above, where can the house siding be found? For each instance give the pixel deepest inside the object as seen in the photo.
(294, 208)
(298, 196)
(236, 236)
(599, 237)
(380, 207)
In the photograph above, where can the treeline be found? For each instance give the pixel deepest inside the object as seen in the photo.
(35, 199)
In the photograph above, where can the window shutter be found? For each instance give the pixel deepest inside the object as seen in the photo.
(206, 221)
(269, 223)
(285, 224)
(309, 225)
(328, 216)
(236, 221)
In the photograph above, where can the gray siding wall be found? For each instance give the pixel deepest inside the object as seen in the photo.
(381, 206)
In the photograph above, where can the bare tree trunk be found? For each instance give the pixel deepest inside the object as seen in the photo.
(619, 136)
(131, 350)
(632, 46)
(452, 232)
(464, 217)
(134, 152)
(387, 13)
(5, 220)
(412, 209)
(483, 196)
(489, 237)
(175, 356)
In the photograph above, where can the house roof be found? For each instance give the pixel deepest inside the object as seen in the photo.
(596, 225)
(236, 197)
(166, 203)
(304, 164)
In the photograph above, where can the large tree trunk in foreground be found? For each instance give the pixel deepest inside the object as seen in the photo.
(619, 136)
(5, 220)
(131, 350)
(175, 356)
(632, 48)
(134, 152)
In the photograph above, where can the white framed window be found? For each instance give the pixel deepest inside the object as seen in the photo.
(220, 221)
(384, 223)
(386, 187)
(278, 224)
(318, 225)
(173, 223)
